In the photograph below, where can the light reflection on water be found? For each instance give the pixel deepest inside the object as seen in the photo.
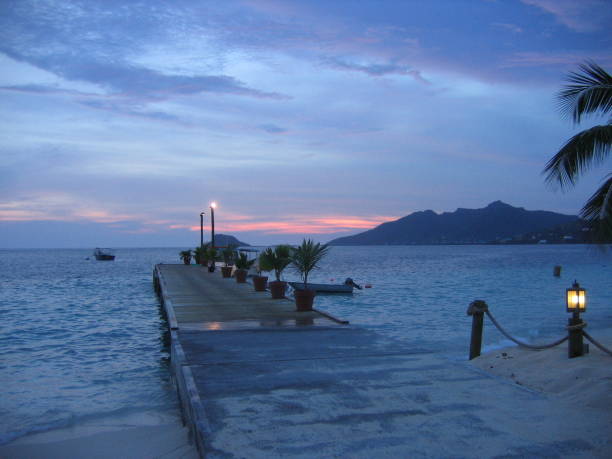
(82, 339)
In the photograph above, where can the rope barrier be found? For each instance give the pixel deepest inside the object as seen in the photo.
(576, 331)
(522, 343)
(579, 326)
(599, 345)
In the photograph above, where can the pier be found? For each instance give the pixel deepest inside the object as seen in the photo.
(258, 379)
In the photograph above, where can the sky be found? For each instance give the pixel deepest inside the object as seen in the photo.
(122, 120)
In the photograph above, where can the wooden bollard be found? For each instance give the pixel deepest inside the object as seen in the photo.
(476, 309)
(575, 344)
(557, 271)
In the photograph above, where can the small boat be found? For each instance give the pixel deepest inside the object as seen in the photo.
(103, 254)
(347, 287)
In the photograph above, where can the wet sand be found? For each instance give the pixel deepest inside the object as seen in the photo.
(140, 435)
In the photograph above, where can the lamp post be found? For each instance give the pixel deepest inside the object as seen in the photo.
(201, 229)
(213, 206)
(576, 303)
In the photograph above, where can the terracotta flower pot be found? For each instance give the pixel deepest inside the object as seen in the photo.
(260, 283)
(304, 299)
(241, 275)
(277, 289)
(226, 271)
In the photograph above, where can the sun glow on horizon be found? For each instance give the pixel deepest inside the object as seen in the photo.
(45, 209)
(296, 224)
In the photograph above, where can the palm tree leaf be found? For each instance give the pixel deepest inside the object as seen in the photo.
(587, 148)
(590, 91)
(598, 212)
(307, 256)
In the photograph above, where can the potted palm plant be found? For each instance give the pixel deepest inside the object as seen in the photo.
(242, 267)
(277, 260)
(185, 256)
(229, 255)
(261, 282)
(304, 259)
(200, 254)
(211, 255)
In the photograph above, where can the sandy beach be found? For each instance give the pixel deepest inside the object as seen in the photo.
(583, 381)
(140, 435)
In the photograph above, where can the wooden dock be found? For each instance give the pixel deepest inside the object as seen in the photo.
(258, 379)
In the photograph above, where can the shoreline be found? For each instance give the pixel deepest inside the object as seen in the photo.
(137, 435)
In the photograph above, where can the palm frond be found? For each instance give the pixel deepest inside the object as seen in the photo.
(307, 256)
(598, 212)
(589, 91)
(586, 149)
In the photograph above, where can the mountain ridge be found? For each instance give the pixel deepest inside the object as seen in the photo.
(496, 222)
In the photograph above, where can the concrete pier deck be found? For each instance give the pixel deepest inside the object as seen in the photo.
(257, 379)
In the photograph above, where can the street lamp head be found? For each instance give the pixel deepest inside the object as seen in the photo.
(213, 205)
(576, 298)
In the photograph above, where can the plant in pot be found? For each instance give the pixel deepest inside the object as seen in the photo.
(304, 259)
(200, 254)
(185, 256)
(277, 260)
(229, 255)
(211, 256)
(242, 267)
(263, 264)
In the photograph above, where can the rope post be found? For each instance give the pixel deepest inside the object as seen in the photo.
(575, 347)
(476, 309)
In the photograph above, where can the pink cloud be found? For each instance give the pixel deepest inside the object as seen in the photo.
(305, 224)
(51, 206)
(39, 209)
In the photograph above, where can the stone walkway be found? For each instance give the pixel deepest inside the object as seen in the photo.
(264, 384)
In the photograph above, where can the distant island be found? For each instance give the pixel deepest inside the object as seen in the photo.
(223, 240)
(497, 223)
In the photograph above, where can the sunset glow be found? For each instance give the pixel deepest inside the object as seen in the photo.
(297, 225)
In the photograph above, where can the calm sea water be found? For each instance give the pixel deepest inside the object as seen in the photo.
(82, 339)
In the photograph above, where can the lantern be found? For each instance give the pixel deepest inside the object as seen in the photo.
(576, 298)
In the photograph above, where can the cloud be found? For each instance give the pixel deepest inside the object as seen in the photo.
(272, 128)
(124, 109)
(58, 206)
(64, 207)
(95, 43)
(133, 80)
(505, 26)
(582, 16)
(304, 224)
(376, 69)
(537, 59)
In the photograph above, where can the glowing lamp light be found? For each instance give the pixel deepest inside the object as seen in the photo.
(576, 298)
(213, 205)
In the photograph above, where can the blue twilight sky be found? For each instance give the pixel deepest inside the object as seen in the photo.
(121, 120)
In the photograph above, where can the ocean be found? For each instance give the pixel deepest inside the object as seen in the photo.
(83, 340)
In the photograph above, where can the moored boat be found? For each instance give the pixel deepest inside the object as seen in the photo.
(324, 288)
(103, 254)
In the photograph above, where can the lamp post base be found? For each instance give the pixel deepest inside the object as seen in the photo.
(575, 346)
